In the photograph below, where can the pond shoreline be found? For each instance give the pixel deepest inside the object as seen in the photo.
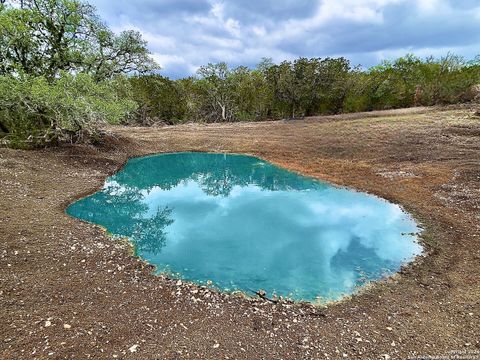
(125, 204)
(59, 271)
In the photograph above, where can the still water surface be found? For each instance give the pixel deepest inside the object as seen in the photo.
(245, 224)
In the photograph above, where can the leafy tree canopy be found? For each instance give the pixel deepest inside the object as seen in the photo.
(45, 37)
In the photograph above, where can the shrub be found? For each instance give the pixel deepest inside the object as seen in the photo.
(35, 112)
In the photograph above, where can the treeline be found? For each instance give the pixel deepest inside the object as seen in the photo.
(304, 87)
(64, 73)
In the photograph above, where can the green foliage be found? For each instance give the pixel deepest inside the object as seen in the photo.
(215, 92)
(410, 81)
(60, 70)
(63, 73)
(158, 99)
(251, 95)
(45, 37)
(307, 87)
(35, 111)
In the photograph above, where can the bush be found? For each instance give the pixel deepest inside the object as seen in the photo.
(159, 99)
(36, 112)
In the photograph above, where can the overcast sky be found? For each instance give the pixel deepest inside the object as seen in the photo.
(184, 34)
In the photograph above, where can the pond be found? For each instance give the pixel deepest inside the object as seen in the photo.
(240, 223)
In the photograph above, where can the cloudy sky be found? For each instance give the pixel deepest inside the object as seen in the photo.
(184, 34)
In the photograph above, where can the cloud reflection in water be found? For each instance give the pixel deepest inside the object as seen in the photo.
(246, 224)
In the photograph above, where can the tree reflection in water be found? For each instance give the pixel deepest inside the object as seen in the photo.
(122, 211)
(127, 214)
(149, 234)
(246, 224)
(217, 174)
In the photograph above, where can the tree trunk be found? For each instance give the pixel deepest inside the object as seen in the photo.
(224, 112)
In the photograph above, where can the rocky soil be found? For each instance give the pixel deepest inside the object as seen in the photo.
(68, 291)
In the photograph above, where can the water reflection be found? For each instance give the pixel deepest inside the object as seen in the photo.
(246, 224)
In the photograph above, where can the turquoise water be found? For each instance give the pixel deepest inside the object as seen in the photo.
(245, 224)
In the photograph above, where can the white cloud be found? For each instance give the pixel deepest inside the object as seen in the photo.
(429, 5)
(184, 34)
(259, 31)
(216, 19)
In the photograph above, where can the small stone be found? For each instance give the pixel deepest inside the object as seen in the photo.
(179, 283)
(389, 328)
(133, 348)
(48, 323)
(67, 326)
(216, 346)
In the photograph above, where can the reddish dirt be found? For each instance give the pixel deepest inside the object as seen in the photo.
(69, 291)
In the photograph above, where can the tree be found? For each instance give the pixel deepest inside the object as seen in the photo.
(60, 70)
(334, 83)
(251, 94)
(215, 86)
(35, 111)
(449, 78)
(307, 82)
(310, 86)
(286, 91)
(158, 99)
(45, 37)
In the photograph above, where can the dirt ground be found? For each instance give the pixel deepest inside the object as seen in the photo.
(69, 291)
